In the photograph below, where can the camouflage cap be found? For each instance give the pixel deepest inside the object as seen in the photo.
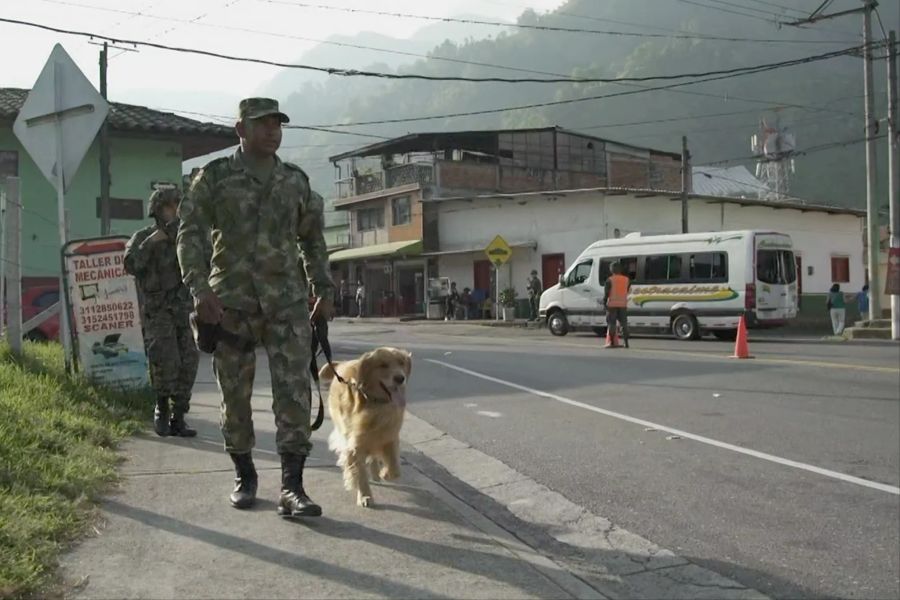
(255, 108)
(161, 197)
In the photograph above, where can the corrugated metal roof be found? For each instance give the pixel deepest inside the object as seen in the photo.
(731, 182)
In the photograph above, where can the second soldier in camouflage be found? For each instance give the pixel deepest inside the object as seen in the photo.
(265, 225)
(165, 314)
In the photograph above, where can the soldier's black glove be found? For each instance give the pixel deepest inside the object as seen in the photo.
(207, 336)
(171, 229)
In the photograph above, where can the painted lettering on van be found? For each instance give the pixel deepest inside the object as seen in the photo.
(642, 295)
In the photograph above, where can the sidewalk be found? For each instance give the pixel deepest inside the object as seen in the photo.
(169, 532)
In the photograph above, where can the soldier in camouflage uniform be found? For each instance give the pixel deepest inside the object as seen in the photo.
(267, 242)
(165, 302)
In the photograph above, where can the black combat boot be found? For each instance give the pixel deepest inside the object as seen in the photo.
(161, 416)
(294, 502)
(177, 426)
(245, 481)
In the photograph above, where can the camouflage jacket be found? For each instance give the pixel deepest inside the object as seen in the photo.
(157, 274)
(267, 238)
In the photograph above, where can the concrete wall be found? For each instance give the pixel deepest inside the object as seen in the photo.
(390, 232)
(568, 225)
(135, 164)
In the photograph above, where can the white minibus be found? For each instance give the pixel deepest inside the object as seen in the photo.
(687, 284)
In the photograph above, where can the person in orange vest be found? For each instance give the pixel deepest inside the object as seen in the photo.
(616, 299)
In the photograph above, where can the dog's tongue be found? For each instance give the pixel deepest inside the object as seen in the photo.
(399, 397)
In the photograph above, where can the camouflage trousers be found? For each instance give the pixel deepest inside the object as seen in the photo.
(286, 338)
(172, 354)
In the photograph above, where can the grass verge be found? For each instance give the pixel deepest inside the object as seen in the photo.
(57, 439)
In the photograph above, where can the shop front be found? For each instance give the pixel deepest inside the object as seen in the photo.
(392, 276)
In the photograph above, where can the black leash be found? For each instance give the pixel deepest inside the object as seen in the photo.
(320, 344)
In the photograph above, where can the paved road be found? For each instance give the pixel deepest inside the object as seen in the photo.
(785, 474)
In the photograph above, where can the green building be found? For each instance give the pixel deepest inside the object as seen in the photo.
(147, 147)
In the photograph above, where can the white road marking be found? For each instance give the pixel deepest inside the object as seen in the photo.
(882, 487)
(489, 413)
(470, 405)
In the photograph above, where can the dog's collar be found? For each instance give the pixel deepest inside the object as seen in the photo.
(362, 392)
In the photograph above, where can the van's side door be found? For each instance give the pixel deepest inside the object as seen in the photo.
(580, 296)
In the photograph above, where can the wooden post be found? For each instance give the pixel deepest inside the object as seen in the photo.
(13, 264)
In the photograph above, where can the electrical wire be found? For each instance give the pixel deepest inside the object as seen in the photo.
(383, 13)
(196, 22)
(440, 78)
(561, 102)
(806, 152)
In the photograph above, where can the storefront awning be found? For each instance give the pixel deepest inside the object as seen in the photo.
(390, 250)
(526, 244)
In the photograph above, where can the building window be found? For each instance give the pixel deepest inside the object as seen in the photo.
(124, 209)
(401, 211)
(840, 269)
(9, 163)
(368, 219)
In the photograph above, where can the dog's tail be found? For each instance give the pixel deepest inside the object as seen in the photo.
(327, 373)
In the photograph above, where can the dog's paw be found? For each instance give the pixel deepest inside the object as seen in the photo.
(389, 474)
(365, 501)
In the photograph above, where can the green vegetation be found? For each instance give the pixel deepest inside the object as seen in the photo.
(57, 436)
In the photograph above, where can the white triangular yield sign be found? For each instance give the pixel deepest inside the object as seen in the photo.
(60, 119)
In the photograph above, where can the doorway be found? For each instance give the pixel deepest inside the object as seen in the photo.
(552, 266)
(483, 276)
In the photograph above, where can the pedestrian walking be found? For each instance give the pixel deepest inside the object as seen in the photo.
(267, 238)
(346, 298)
(837, 308)
(465, 302)
(451, 302)
(165, 306)
(535, 289)
(615, 296)
(360, 299)
(862, 302)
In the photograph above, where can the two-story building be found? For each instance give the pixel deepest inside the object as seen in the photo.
(392, 191)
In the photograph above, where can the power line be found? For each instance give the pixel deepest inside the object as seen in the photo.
(419, 77)
(810, 150)
(196, 22)
(558, 103)
(382, 13)
(231, 119)
(729, 11)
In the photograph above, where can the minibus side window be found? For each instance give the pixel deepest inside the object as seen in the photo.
(629, 267)
(709, 266)
(662, 268)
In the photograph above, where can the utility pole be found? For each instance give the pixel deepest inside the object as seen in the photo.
(871, 174)
(104, 151)
(871, 129)
(685, 183)
(893, 172)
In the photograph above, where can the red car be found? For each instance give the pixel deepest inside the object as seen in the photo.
(35, 300)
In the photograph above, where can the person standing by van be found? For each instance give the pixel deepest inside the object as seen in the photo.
(862, 302)
(837, 308)
(615, 296)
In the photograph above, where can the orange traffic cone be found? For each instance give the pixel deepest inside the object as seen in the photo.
(741, 349)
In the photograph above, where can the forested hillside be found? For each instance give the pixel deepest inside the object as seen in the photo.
(821, 101)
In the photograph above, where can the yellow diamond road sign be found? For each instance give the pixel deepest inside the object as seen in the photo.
(498, 251)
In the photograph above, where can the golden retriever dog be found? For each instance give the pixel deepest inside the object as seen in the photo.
(367, 412)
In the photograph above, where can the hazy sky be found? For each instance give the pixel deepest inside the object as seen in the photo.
(164, 79)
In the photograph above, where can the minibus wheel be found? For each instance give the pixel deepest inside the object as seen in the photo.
(685, 327)
(557, 323)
